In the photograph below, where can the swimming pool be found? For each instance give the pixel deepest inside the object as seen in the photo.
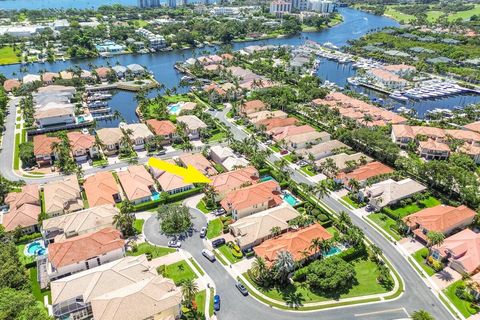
(289, 198)
(81, 119)
(266, 178)
(155, 196)
(333, 251)
(35, 248)
(175, 108)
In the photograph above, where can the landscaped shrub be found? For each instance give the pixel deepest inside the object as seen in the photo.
(300, 275)
(161, 270)
(352, 253)
(250, 254)
(322, 217)
(27, 238)
(183, 195)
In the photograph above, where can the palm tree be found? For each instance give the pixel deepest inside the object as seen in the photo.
(383, 272)
(124, 219)
(189, 290)
(422, 315)
(435, 238)
(284, 264)
(259, 270)
(354, 185)
(321, 189)
(210, 193)
(316, 245)
(275, 231)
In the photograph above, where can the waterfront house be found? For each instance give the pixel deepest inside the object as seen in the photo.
(59, 228)
(227, 182)
(62, 196)
(111, 139)
(49, 77)
(401, 70)
(102, 188)
(137, 184)
(163, 128)
(82, 146)
(433, 150)
(390, 192)
(297, 242)
(461, 251)
(84, 252)
(444, 219)
(54, 114)
(193, 125)
(363, 173)
(109, 47)
(135, 69)
(252, 107)
(139, 134)
(43, 149)
(386, 79)
(199, 162)
(29, 78)
(120, 71)
(322, 150)
(169, 182)
(256, 228)
(11, 84)
(252, 199)
(23, 210)
(343, 162)
(102, 73)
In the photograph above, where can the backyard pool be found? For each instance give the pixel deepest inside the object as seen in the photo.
(175, 108)
(290, 198)
(266, 178)
(155, 196)
(333, 251)
(36, 248)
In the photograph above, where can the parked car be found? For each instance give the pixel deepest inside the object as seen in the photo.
(203, 232)
(216, 302)
(302, 163)
(209, 255)
(174, 244)
(161, 152)
(218, 242)
(219, 212)
(284, 151)
(241, 288)
(190, 231)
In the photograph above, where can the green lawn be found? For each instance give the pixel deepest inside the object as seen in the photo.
(397, 15)
(8, 56)
(385, 222)
(99, 162)
(212, 293)
(308, 170)
(200, 299)
(350, 202)
(463, 306)
(367, 285)
(464, 15)
(217, 136)
(202, 207)
(179, 271)
(16, 152)
(414, 207)
(227, 253)
(144, 248)
(35, 287)
(215, 228)
(138, 225)
(196, 266)
(289, 158)
(219, 168)
(275, 148)
(23, 258)
(418, 257)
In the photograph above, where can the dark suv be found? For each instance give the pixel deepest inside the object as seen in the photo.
(218, 242)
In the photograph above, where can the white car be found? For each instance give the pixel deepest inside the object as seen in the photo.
(174, 244)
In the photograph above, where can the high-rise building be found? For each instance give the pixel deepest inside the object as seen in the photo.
(321, 6)
(280, 7)
(301, 5)
(148, 3)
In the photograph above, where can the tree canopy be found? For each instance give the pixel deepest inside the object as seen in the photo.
(174, 219)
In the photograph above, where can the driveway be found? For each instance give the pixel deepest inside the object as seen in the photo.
(445, 277)
(411, 245)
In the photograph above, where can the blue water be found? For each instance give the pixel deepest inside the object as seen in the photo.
(289, 198)
(155, 196)
(175, 108)
(333, 251)
(356, 24)
(266, 178)
(35, 248)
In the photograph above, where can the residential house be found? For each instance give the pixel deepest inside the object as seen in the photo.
(390, 192)
(139, 134)
(260, 116)
(363, 173)
(120, 71)
(279, 134)
(199, 162)
(343, 161)
(252, 199)
(136, 69)
(232, 163)
(227, 182)
(137, 184)
(11, 84)
(23, 209)
(84, 252)
(272, 123)
(386, 79)
(305, 140)
(444, 219)
(169, 182)
(87, 294)
(102, 73)
(49, 77)
(54, 114)
(193, 125)
(219, 153)
(433, 150)
(322, 150)
(102, 188)
(83, 146)
(252, 107)
(400, 69)
(111, 139)
(297, 242)
(461, 250)
(62, 196)
(252, 230)
(43, 149)
(28, 78)
(189, 106)
(163, 128)
(60, 228)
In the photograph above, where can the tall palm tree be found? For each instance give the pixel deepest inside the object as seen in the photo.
(124, 219)
(422, 315)
(284, 264)
(435, 238)
(275, 231)
(316, 245)
(189, 290)
(321, 189)
(259, 270)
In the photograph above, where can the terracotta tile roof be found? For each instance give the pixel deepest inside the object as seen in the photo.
(281, 133)
(369, 170)
(386, 75)
(464, 135)
(399, 67)
(293, 241)
(464, 248)
(50, 76)
(136, 182)
(252, 106)
(198, 161)
(277, 123)
(433, 145)
(84, 247)
(100, 188)
(263, 115)
(162, 127)
(440, 218)
(167, 180)
(11, 84)
(470, 149)
(42, 144)
(249, 229)
(474, 126)
(254, 195)
(24, 208)
(80, 141)
(67, 75)
(103, 71)
(232, 180)
(227, 56)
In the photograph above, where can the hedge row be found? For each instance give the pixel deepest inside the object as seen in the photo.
(171, 198)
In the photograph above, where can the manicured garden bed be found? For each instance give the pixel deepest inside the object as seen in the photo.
(203, 207)
(179, 271)
(308, 170)
(348, 200)
(215, 228)
(465, 307)
(227, 253)
(412, 208)
(418, 256)
(138, 225)
(153, 251)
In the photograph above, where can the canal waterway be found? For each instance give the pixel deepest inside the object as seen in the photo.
(355, 24)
